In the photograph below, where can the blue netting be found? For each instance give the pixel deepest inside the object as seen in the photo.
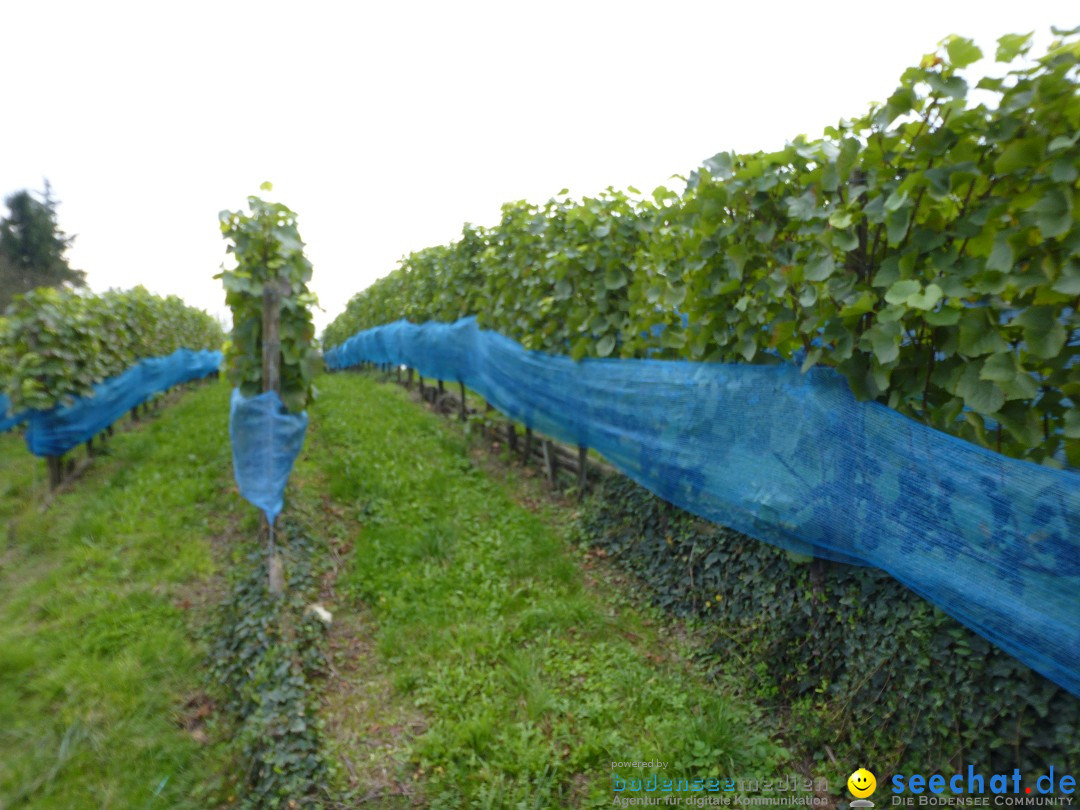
(54, 432)
(795, 460)
(9, 420)
(266, 439)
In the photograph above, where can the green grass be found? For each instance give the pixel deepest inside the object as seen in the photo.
(21, 475)
(531, 679)
(501, 666)
(97, 652)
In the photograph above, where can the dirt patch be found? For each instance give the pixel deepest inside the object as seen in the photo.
(197, 710)
(368, 726)
(199, 597)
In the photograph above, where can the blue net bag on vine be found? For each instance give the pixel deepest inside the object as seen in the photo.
(266, 439)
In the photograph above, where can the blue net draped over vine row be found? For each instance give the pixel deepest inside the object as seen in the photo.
(54, 432)
(795, 460)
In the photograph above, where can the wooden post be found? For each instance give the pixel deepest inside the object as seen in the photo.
(56, 470)
(271, 376)
(550, 467)
(408, 378)
(271, 338)
(528, 446)
(462, 400)
(511, 436)
(583, 466)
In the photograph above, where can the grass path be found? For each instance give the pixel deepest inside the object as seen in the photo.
(479, 659)
(509, 681)
(97, 655)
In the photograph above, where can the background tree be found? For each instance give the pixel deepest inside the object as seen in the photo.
(32, 247)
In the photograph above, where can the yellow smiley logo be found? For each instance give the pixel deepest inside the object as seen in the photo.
(861, 783)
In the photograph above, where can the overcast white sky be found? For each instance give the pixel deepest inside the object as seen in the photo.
(388, 125)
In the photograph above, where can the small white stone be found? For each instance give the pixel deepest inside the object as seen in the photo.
(324, 615)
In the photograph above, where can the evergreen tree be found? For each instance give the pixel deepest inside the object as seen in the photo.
(32, 247)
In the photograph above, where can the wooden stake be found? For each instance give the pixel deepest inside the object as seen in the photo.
(271, 338)
(462, 400)
(550, 467)
(583, 467)
(277, 575)
(56, 470)
(271, 377)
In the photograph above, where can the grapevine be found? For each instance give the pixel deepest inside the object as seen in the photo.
(269, 251)
(56, 344)
(929, 251)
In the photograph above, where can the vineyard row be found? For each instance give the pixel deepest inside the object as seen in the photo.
(928, 250)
